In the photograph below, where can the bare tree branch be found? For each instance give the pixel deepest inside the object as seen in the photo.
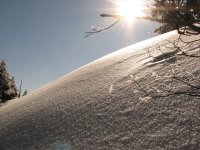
(99, 29)
(182, 82)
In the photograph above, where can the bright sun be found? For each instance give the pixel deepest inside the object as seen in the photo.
(129, 9)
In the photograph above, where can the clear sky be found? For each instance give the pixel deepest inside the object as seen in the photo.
(42, 40)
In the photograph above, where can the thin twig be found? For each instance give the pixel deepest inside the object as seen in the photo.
(97, 30)
(182, 81)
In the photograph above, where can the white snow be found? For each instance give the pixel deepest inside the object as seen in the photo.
(99, 106)
(111, 89)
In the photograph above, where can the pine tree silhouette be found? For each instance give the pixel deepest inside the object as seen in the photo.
(8, 89)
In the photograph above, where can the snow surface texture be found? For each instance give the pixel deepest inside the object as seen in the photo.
(122, 101)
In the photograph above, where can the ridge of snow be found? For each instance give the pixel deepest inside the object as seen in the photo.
(106, 104)
(120, 53)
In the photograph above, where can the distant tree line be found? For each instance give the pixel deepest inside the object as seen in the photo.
(8, 88)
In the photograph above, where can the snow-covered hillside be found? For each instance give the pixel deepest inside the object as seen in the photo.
(145, 96)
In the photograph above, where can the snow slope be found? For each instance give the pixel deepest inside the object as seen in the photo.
(122, 101)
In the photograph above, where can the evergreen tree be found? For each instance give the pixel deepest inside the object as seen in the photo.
(176, 15)
(8, 89)
(25, 93)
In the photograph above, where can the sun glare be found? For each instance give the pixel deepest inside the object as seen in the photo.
(130, 9)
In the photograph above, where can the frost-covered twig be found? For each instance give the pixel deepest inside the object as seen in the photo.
(99, 29)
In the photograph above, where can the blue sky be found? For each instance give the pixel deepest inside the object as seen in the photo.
(42, 40)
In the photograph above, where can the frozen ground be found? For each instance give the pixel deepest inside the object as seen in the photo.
(145, 96)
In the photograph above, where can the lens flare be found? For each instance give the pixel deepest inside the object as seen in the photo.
(130, 9)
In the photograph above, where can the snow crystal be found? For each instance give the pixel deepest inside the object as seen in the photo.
(110, 89)
(136, 78)
(129, 81)
(145, 99)
(153, 74)
(136, 91)
(131, 76)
